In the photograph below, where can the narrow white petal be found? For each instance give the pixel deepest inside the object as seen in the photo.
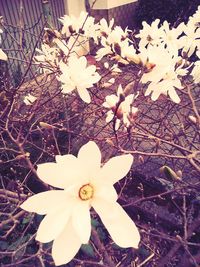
(174, 96)
(3, 56)
(83, 62)
(66, 245)
(84, 95)
(110, 116)
(90, 156)
(70, 166)
(155, 94)
(53, 223)
(62, 174)
(66, 159)
(104, 190)
(116, 168)
(67, 87)
(119, 225)
(45, 202)
(81, 221)
(117, 124)
(51, 174)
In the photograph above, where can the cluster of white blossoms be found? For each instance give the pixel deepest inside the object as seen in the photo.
(163, 56)
(174, 47)
(163, 51)
(3, 56)
(64, 55)
(83, 184)
(163, 59)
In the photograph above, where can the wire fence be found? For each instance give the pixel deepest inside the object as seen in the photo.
(23, 23)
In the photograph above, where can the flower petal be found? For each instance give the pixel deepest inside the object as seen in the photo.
(110, 116)
(117, 124)
(66, 159)
(54, 223)
(174, 96)
(3, 56)
(51, 174)
(81, 221)
(119, 225)
(62, 174)
(116, 168)
(84, 95)
(104, 190)
(66, 245)
(90, 156)
(45, 202)
(155, 94)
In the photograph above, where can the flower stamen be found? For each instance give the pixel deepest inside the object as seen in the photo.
(86, 192)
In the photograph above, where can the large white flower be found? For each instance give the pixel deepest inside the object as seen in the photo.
(77, 75)
(85, 183)
(47, 57)
(116, 42)
(190, 41)
(166, 87)
(160, 62)
(104, 28)
(84, 25)
(171, 36)
(150, 34)
(72, 24)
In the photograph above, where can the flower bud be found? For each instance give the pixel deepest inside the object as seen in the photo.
(169, 173)
(46, 125)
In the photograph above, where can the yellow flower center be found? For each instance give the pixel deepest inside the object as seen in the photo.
(86, 192)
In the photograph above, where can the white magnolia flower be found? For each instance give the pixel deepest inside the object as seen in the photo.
(150, 34)
(118, 35)
(73, 46)
(85, 183)
(83, 25)
(103, 51)
(128, 52)
(72, 24)
(77, 75)
(194, 20)
(116, 42)
(160, 62)
(47, 57)
(104, 28)
(163, 74)
(190, 41)
(171, 36)
(29, 99)
(120, 106)
(166, 87)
